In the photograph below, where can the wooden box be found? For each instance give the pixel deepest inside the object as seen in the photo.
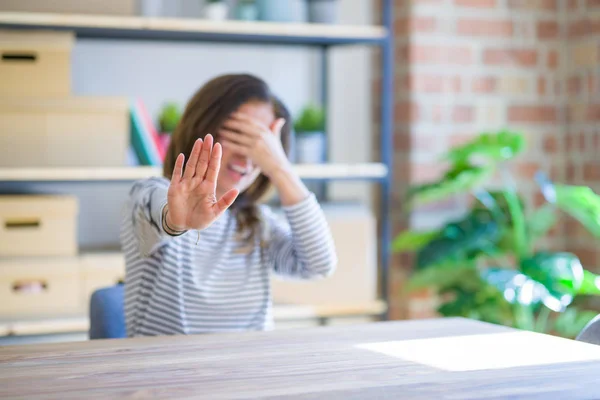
(39, 288)
(34, 63)
(64, 132)
(100, 270)
(355, 280)
(38, 225)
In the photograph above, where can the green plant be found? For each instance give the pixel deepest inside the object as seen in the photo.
(487, 265)
(169, 117)
(311, 119)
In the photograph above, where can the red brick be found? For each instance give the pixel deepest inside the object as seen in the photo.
(415, 24)
(476, 3)
(583, 27)
(484, 27)
(593, 113)
(534, 114)
(426, 172)
(591, 84)
(527, 170)
(551, 144)
(456, 84)
(460, 139)
(541, 85)
(405, 112)
(463, 114)
(520, 57)
(574, 85)
(426, 83)
(591, 171)
(533, 4)
(547, 30)
(572, 5)
(553, 59)
(430, 54)
(592, 4)
(486, 84)
(571, 172)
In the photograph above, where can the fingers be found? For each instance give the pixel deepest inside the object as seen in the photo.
(213, 167)
(226, 201)
(190, 167)
(205, 155)
(236, 138)
(277, 126)
(243, 127)
(177, 169)
(238, 148)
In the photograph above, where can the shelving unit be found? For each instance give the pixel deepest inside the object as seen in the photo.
(319, 36)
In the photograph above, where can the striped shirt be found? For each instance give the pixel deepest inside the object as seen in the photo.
(208, 281)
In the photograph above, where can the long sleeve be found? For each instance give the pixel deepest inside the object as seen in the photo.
(303, 247)
(146, 201)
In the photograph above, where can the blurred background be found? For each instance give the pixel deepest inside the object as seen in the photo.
(452, 144)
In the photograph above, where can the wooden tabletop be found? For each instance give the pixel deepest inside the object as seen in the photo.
(429, 359)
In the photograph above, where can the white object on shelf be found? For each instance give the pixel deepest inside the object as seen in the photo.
(217, 11)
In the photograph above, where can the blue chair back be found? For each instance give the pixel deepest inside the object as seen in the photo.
(107, 317)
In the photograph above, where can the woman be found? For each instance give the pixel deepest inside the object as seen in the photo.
(199, 248)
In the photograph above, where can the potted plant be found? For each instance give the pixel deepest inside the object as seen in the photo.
(216, 10)
(168, 119)
(488, 265)
(310, 135)
(322, 11)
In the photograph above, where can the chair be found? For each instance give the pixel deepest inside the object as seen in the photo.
(107, 318)
(591, 332)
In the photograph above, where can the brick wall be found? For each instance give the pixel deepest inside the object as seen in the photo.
(466, 66)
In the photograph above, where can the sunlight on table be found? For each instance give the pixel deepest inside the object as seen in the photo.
(488, 351)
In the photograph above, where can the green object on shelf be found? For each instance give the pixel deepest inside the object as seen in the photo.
(311, 119)
(487, 265)
(169, 117)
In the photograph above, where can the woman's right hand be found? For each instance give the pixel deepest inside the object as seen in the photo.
(191, 199)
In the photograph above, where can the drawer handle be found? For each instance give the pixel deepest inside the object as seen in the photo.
(22, 223)
(30, 286)
(19, 57)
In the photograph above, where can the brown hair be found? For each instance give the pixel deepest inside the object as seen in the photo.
(206, 111)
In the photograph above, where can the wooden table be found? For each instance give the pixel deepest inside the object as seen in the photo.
(429, 359)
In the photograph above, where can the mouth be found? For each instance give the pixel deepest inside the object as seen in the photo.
(237, 170)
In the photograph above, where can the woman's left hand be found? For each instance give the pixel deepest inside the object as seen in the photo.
(252, 138)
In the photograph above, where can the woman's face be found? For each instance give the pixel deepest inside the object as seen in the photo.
(237, 170)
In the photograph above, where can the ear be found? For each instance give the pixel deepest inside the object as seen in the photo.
(277, 126)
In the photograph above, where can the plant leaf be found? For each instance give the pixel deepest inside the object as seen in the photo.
(500, 146)
(580, 202)
(590, 284)
(412, 240)
(444, 275)
(516, 288)
(560, 273)
(541, 221)
(477, 233)
(460, 179)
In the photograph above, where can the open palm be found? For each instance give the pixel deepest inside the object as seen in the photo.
(191, 199)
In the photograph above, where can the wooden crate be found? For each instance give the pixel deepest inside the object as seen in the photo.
(100, 270)
(64, 132)
(40, 288)
(355, 281)
(38, 225)
(34, 63)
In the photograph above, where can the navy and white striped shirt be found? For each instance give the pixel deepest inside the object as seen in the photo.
(182, 285)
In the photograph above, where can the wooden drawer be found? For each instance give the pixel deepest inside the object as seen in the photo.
(35, 63)
(40, 288)
(64, 132)
(100, 270)
(38, 225)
